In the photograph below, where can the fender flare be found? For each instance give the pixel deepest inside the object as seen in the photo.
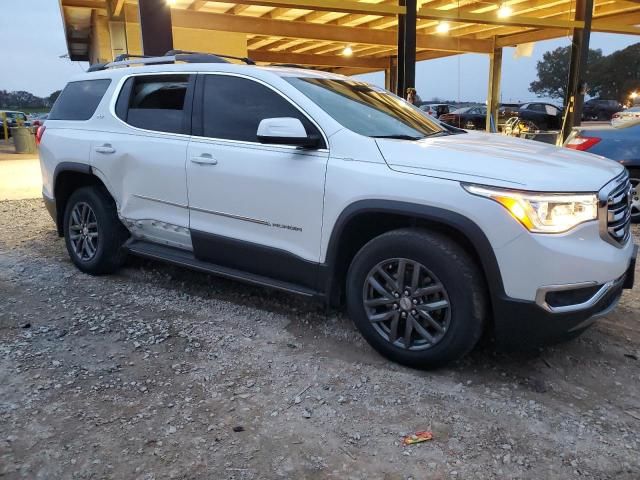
(70, 167)
(455, 221)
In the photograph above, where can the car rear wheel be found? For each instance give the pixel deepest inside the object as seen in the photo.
(417, 297)
(93, 232)
(634, 177)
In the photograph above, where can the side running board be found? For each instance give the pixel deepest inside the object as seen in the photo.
(187, 259)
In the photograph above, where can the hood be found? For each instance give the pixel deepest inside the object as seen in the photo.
(500, 161)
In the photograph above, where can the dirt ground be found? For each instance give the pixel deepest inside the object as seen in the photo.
(158, 372)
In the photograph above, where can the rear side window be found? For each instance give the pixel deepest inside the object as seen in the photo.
(233, 107)
(79, 100)
(154, 102)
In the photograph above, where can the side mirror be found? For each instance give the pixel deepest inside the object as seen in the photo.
(285, 131)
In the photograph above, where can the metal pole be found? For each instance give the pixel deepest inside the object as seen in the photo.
(493, 96)
(576, 84)
(5, 127)
(410, 45)
(400, 83)
(155, 24)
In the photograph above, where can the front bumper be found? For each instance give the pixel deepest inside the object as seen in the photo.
(523, 325)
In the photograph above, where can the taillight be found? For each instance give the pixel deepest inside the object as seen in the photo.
(40, 133)
(582, 143)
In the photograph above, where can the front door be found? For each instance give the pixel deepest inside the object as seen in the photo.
(253, 207)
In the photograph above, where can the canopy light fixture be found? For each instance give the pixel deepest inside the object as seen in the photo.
(348, 51)
(505, 11)
(443, 27)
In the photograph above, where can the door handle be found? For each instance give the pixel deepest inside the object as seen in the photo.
(106, 149)
(204, 159)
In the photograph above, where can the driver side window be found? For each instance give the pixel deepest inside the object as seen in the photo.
(233, 107)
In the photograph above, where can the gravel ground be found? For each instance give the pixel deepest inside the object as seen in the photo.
(158, 372)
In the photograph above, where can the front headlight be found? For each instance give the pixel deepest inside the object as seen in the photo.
(543, 212)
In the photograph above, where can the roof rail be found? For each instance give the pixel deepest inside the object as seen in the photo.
(292, 65)
(172, 56)
(176, 53)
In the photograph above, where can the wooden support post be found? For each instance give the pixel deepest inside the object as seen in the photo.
(493, 96)
(576, 84)
(390, 79)
(155, 24)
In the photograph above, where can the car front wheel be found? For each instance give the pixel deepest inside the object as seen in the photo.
(417, 297)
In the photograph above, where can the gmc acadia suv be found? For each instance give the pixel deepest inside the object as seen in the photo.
(329, 187)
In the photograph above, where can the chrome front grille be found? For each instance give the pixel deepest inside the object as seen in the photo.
(615, 206)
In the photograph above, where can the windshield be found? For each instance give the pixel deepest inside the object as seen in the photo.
(366, 109)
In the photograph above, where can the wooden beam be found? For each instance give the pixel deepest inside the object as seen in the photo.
(303, 30)
(492, 19)
(101, 6)
(529, 36)
(344, 6)
(317, 60)
(82, 41)
(117, 7)
(237, 9)
(197, 5)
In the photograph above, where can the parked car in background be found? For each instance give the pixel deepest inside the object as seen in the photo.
(620, 144)
(599, 109)
(38, 120)
(469, 118)
(436, 109)
(630, 115)
(542, 116)
(14, 119)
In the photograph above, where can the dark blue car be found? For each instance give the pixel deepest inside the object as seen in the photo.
(619, 144)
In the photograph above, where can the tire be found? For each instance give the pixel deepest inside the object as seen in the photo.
(99, 249)
(440, 261)
(634, 177)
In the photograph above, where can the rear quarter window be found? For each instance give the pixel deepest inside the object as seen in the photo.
(79, 100)
(155, 102)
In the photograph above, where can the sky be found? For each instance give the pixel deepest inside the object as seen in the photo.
(32, 37)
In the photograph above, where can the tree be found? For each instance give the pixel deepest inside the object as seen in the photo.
(553, 73)
(51, 99)
(619, 74)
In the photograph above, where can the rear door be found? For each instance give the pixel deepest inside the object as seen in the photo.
(143, 158)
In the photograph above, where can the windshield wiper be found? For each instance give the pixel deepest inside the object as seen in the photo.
(411, 137)
(398, 137)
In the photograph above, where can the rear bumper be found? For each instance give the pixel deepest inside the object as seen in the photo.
(523, 325)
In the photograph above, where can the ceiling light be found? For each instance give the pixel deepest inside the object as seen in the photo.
(505, 11)
(171, 2)
(443, 27)
(348, 51)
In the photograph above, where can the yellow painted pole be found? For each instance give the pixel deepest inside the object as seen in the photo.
(5, 127)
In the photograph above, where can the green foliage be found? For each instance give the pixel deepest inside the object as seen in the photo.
(611, 76)
(26, 101)
(553, 73)
(619, 73)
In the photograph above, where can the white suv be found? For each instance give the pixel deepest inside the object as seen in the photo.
(325, 186)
